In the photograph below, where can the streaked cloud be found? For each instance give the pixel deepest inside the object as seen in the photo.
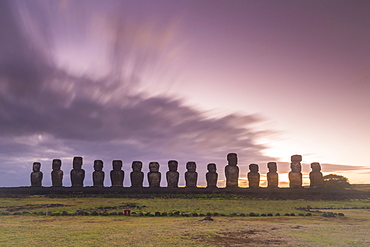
(46, 112)
(74, 81)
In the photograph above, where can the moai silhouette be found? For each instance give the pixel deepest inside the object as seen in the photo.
(77, 173)
(154, 176)
(191, 176)
(172, 175)
(137, 176)
(36, 175)
(117, 175)
(98, 174)
(295, 175)
(272, 175)
(211, 175)
(57, 174)
(232, 171)
(253, 176)
(316, 178)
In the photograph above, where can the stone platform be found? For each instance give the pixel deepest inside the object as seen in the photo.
(182, 192)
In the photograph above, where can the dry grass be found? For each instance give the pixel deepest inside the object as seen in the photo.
(351, 230)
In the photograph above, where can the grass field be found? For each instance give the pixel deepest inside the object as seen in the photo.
(21, 227)
(351, 230)
(361, 187)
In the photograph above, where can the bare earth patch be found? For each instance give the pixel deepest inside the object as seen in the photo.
(244, 238)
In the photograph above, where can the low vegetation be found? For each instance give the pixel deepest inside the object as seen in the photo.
(334, 181)
(229, 207)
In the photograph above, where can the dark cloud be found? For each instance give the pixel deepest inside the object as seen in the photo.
(46, 113)
(23, 68)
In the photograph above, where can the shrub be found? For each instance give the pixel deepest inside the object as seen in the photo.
(333, 181)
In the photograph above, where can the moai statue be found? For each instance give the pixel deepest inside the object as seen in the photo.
(137, 176)
(253, 176)
(57, 174)
(154, 176)
(211, 176)
(117, 175)
(316, 178)
(295, 175)
(77, 173)
(172, 175)
(232, 171)
(98, 174)
(272, 175)
(36, 175)
(191, 176)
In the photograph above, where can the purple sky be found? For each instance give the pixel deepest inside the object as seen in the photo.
(185, 80)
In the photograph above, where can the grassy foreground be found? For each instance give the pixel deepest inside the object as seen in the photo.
(27, 229)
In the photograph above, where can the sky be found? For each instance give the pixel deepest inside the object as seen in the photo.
(185, 80)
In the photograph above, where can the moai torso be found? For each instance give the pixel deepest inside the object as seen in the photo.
(117, 175)
(36, 175)
(57, 174)
(253, 176)
(191, 176)
(172, 175)
(232, 171)
(154, 176)
(137, 176)
(272, 175)
(98, 174)
(77, 174)
(211, 176)
(316, 178)
(295, 180)
(295, 175)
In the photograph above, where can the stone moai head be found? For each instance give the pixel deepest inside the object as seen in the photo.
(154, 166)
(172, 165)
(117, 165)
(232, 159)
(315, 166)
(57, 163)
(253, 167)
(36, 166)
(137, 166)
(98, 165)
(296, 158)
(211, 167)
(77, 163)
(191, 166)
(296, 167)
(272, 167)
